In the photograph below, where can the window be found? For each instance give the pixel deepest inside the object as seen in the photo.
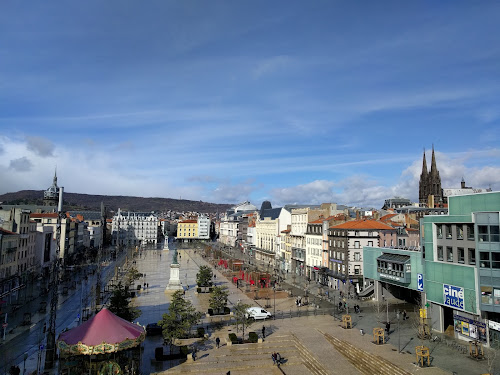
(440, 253)
(356, 245)
(439, 231)
(470, 232)
(494, 233)
(496, 260)
(461, 255)
(460, 232)
(370, 243)
(448, 231)
(357, 257)
(483, 235)
(357, 270)
(496, 296)
(449, 253)
(484, 259)
(486, 295)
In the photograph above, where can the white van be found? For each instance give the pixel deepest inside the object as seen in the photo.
(257, 313)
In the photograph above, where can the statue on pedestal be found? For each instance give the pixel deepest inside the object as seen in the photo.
(174, 283)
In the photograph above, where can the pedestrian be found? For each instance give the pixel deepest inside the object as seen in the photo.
(273, 356)
(278, 359)
(388, 327)
(217, 342)
(147, 285)
(404, 315)
(193, 354)
(340, 305)
(263, 332)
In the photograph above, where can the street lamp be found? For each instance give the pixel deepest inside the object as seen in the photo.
(399, 335)
(274, 309)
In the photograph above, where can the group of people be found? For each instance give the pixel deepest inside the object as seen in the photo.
(357, 309)
(276, 358)
(298, 301)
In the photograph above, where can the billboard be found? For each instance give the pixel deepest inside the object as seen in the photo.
(470, 328)
(453, 296)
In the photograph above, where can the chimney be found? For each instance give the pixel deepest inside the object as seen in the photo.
(357, 215)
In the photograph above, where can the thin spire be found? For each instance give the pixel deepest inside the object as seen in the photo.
(424, 166)
(433, 162)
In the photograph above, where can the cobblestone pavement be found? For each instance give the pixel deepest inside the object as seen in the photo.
(314, 344)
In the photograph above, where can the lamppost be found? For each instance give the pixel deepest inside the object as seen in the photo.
(274, 308)
(399, 335)
(25, 357)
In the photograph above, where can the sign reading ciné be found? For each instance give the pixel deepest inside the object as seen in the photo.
(453, 296)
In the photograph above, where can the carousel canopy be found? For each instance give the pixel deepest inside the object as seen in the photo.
(104, 333)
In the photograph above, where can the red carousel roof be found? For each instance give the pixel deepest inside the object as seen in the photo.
(104, 333)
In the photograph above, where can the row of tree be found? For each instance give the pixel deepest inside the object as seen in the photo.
(182, 315)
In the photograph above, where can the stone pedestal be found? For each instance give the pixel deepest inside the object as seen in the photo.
(175, 282)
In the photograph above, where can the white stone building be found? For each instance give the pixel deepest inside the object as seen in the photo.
(135, 228)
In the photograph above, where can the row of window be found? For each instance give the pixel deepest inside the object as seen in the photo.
(314, 241)
(446, 231)
(486, 233)
(450, 256)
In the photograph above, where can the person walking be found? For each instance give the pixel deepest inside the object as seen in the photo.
(273, 356)
(217, 342)
(388, 327)
(278, 359)
(404, 315)
(263, 332)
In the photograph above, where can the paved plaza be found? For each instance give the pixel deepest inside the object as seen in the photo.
(312, 344)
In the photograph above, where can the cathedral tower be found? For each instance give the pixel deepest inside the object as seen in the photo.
(430, 182)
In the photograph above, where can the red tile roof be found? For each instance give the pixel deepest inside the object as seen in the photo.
(363, 224)
(286, 231)
(188, 221)
(5, 231)
(387, 217)
(44, 215)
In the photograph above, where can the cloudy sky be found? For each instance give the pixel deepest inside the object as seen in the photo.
(224, 101)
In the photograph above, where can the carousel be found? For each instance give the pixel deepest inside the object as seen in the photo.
(105, 344)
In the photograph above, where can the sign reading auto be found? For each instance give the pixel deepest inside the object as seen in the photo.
(453, 296)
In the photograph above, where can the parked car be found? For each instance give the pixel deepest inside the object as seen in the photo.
(153, 329)
(257, 313)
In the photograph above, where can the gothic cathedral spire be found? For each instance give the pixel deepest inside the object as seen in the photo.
(430, 182)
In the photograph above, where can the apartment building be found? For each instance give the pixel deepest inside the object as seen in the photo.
(346, 243)
(135, 229)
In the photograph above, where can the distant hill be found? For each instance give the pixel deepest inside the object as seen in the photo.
(75, 201)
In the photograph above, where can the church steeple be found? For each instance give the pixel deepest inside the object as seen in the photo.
(424, 167)
(430, 182)
(422, 186)
(434, 170)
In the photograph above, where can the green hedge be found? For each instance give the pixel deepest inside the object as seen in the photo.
(253, 337)
(200, 331)
(233, 338)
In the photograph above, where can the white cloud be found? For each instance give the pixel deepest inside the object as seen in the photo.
(21, 165)
(232, 193)
(364, 191)
(40, 146)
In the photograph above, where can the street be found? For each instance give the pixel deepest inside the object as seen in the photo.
(31, 339)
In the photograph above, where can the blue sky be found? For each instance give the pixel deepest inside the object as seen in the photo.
(294, 102)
